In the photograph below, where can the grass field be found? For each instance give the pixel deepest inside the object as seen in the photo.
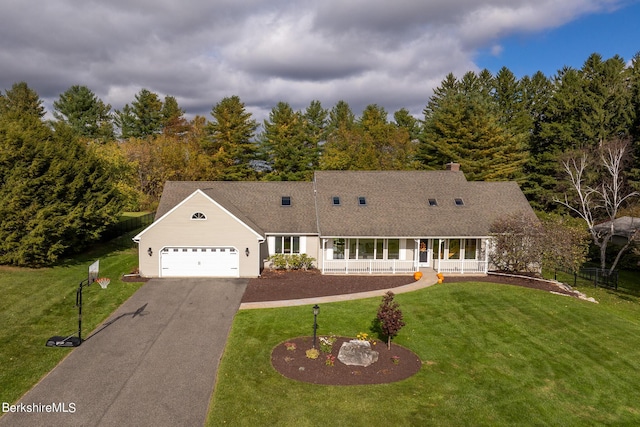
(39, 303)
(493, 355)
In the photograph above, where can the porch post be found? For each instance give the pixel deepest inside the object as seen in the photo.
(324, 256)
(486, 256)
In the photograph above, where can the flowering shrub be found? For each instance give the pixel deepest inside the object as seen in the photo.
(395, 359)
(290, 346)
(331, 360)
(326, 343)
(312, 353)
(363, 336)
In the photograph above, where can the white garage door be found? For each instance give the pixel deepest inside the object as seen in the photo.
(199, 262)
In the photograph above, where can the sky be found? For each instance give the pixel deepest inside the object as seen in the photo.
(361, 51)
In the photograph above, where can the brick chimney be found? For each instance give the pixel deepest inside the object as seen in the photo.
(454, 167)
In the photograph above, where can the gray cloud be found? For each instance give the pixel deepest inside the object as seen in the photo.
(361, 51)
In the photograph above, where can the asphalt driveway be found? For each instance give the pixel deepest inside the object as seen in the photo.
(152, 363)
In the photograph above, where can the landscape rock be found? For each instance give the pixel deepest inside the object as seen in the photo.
(357, 353)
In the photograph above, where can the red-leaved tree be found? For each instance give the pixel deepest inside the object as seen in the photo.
(389, 317)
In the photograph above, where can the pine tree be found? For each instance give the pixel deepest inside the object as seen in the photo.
(85, 113)
(230, 140)
(173, 121)
(283, 142)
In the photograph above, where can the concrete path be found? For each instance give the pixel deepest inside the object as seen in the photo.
(152, 363)
(428, 278)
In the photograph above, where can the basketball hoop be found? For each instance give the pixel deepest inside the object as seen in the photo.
(103, 282)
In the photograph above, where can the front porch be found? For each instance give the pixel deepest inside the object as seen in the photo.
(404, 256)
(368, 266)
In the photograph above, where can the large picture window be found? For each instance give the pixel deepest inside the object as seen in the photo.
(366, 249)
(470, 249)
(287, 244)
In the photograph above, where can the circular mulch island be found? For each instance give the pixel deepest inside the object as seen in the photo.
(294, 364)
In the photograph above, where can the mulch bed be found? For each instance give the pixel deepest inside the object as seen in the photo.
(296, 365)
(275, 285)
(510, 280)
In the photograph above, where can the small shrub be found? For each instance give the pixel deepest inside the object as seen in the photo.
(290, 346)
(326, 343)
(279, 261)
(312, 353)
(389, 317)
(331, 360)
(291, 262)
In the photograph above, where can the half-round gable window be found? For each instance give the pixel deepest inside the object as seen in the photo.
(199, 216)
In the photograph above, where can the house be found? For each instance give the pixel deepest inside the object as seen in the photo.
(351, 222)
(622, 229)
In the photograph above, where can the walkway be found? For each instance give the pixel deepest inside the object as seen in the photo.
(428, 278)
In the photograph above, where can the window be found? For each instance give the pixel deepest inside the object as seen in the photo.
(199, 216)
(336, 201)
(286, 201)
(362, 201)
(380, 249)
(470, 248)
(338, 248)
(454, 249)
(393, 251)
(365, 248)
(459, 202)
(287, 244)
(433, 202)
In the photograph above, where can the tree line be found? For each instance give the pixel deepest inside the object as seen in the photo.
(81, 169)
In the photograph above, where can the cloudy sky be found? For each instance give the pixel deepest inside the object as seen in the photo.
(392, 53)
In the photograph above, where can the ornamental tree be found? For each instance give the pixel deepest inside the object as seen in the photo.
(389, 317)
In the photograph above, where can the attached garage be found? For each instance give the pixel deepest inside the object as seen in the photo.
(220, 261)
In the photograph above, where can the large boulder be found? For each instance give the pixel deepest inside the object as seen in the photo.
(358, 353)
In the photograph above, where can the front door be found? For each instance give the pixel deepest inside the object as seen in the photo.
(424, 253)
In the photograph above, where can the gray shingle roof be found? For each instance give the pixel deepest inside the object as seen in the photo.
(397, 203)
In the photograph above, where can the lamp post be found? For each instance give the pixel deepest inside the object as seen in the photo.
(316, 310)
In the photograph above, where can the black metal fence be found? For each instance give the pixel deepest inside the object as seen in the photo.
(598, 276)
(130, 224)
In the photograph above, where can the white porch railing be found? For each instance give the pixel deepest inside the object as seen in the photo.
(368, 266)
(460, 266)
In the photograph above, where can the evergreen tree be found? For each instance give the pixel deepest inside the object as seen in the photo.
(404, 120)
(143, 118)
(57, 197)
(284, 144)
(85, 113)
(230, 140)
(465, 128)
(341, 116)
(315, 122)
(21, 101)
(173, 121)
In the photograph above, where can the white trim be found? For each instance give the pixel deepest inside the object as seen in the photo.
(198, 192)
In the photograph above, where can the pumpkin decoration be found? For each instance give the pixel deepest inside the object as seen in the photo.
(440, 277)
(417, 275)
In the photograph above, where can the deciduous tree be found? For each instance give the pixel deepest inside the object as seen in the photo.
(597, 192)
(390, 317)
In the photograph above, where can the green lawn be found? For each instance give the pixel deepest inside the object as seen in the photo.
(39, 303)
(492, 355)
